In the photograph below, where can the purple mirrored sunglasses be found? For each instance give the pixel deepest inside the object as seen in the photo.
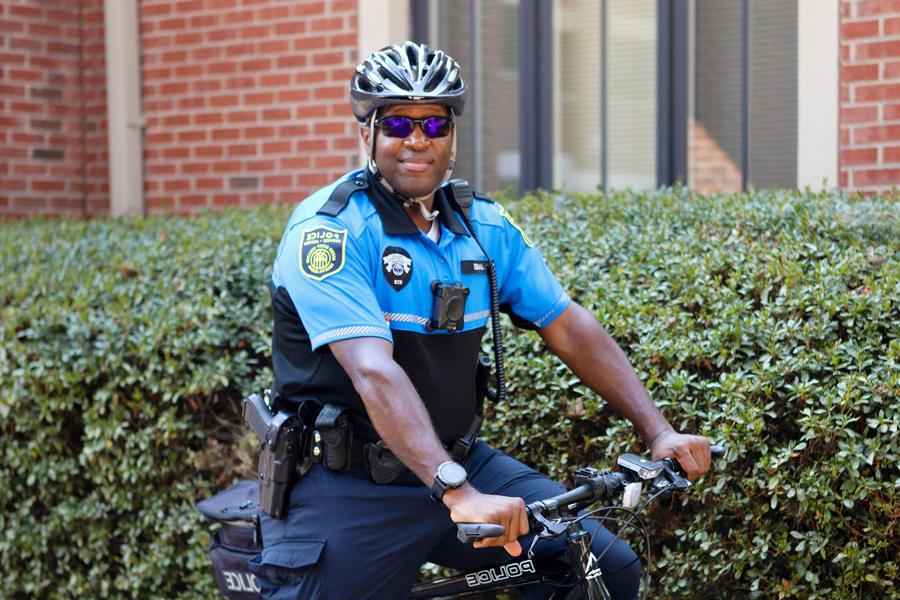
(400, 127)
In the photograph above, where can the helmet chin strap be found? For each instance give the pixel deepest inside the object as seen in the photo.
(428, 215)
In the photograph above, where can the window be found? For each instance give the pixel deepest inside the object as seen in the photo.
(483, 38)
(605, 94)
(743, 114)
(581, 94)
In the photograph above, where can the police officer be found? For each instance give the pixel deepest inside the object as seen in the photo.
(360, 294)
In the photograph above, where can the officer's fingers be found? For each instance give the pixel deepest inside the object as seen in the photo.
(511, 524)
(515, 522)
(514, 548)
(523, 521)
(702, 454)
(699, 457)
(490, 542)
(687, 461)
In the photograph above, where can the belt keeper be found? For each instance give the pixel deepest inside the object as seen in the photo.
(461, 447)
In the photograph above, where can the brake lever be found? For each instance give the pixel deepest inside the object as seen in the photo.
(672, 473)
(549, 529)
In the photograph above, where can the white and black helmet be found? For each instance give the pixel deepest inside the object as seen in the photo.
(410, 73)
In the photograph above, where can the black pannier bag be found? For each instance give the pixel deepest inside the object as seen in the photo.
(237, 538)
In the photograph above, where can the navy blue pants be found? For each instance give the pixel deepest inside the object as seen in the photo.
(346, 538)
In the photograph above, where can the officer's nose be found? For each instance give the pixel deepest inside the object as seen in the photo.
(417, 137)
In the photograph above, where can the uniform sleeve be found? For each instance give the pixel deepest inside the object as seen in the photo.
(327, 273)
(529, 292)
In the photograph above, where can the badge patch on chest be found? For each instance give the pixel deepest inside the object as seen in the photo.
(322, 252)
(396, 265)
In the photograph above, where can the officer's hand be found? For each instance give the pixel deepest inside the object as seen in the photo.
(468, 505)
(691, 451)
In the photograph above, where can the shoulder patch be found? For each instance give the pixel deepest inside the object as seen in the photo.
(506, 216)
(322, 251)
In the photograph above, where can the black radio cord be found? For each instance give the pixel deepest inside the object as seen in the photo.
(497, 336)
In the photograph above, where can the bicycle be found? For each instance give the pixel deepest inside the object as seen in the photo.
(576, 575)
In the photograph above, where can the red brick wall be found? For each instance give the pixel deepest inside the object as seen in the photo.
(52, 108)
(870, 95)
(246, 100)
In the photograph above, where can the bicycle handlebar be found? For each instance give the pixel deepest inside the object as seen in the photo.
(599, 486)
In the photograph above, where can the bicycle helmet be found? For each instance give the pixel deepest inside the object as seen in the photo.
(410, 73)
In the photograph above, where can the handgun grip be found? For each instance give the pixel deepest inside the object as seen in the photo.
(257, 415)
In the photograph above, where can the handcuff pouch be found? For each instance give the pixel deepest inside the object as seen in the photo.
(333, 438)
(382, 465)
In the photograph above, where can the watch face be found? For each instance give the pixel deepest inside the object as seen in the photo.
(452, 474)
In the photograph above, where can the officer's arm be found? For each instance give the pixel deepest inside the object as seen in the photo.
(393, 404)
(582, 343)
(402, 421)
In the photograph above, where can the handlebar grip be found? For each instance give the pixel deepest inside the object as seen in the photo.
(471, 532)
(717, 451)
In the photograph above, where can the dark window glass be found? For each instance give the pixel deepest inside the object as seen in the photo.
(487, 49)
(772, 101)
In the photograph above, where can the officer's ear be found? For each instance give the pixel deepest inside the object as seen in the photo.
(364, 133)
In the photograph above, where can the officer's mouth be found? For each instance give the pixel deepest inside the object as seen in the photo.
(415, 165)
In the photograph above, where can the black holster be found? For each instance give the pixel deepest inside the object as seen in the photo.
(278, 463)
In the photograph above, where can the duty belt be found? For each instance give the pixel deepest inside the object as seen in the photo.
(334, 446)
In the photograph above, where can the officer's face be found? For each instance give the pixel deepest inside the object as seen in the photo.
(413, 165)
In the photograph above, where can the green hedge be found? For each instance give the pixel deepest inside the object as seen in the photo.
(769, 321)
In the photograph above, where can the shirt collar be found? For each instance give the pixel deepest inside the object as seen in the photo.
(394, 219)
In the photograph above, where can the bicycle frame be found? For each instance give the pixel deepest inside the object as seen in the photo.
(519, 572)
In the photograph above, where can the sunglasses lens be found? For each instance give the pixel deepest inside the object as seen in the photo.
(400, 127)
(435, 127)
(397, 126)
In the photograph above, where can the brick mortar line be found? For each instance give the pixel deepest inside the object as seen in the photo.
(863, 125)
(255, 22)
(870, 147)
(242, 127)
(869, 39)
(237, 25)
(288, 4)
(867, 123)
(237, 41)
(254, 89)
(261, 120)
(872, 167)
(875, 18)
(273, 71)
(890, 81)
(869, 103)
(872, 62)
(239, 58)
(260, 155)
(257, 39)
(239, 108)
(241, 8)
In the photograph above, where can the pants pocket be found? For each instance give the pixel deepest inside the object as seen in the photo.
(291, 563)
